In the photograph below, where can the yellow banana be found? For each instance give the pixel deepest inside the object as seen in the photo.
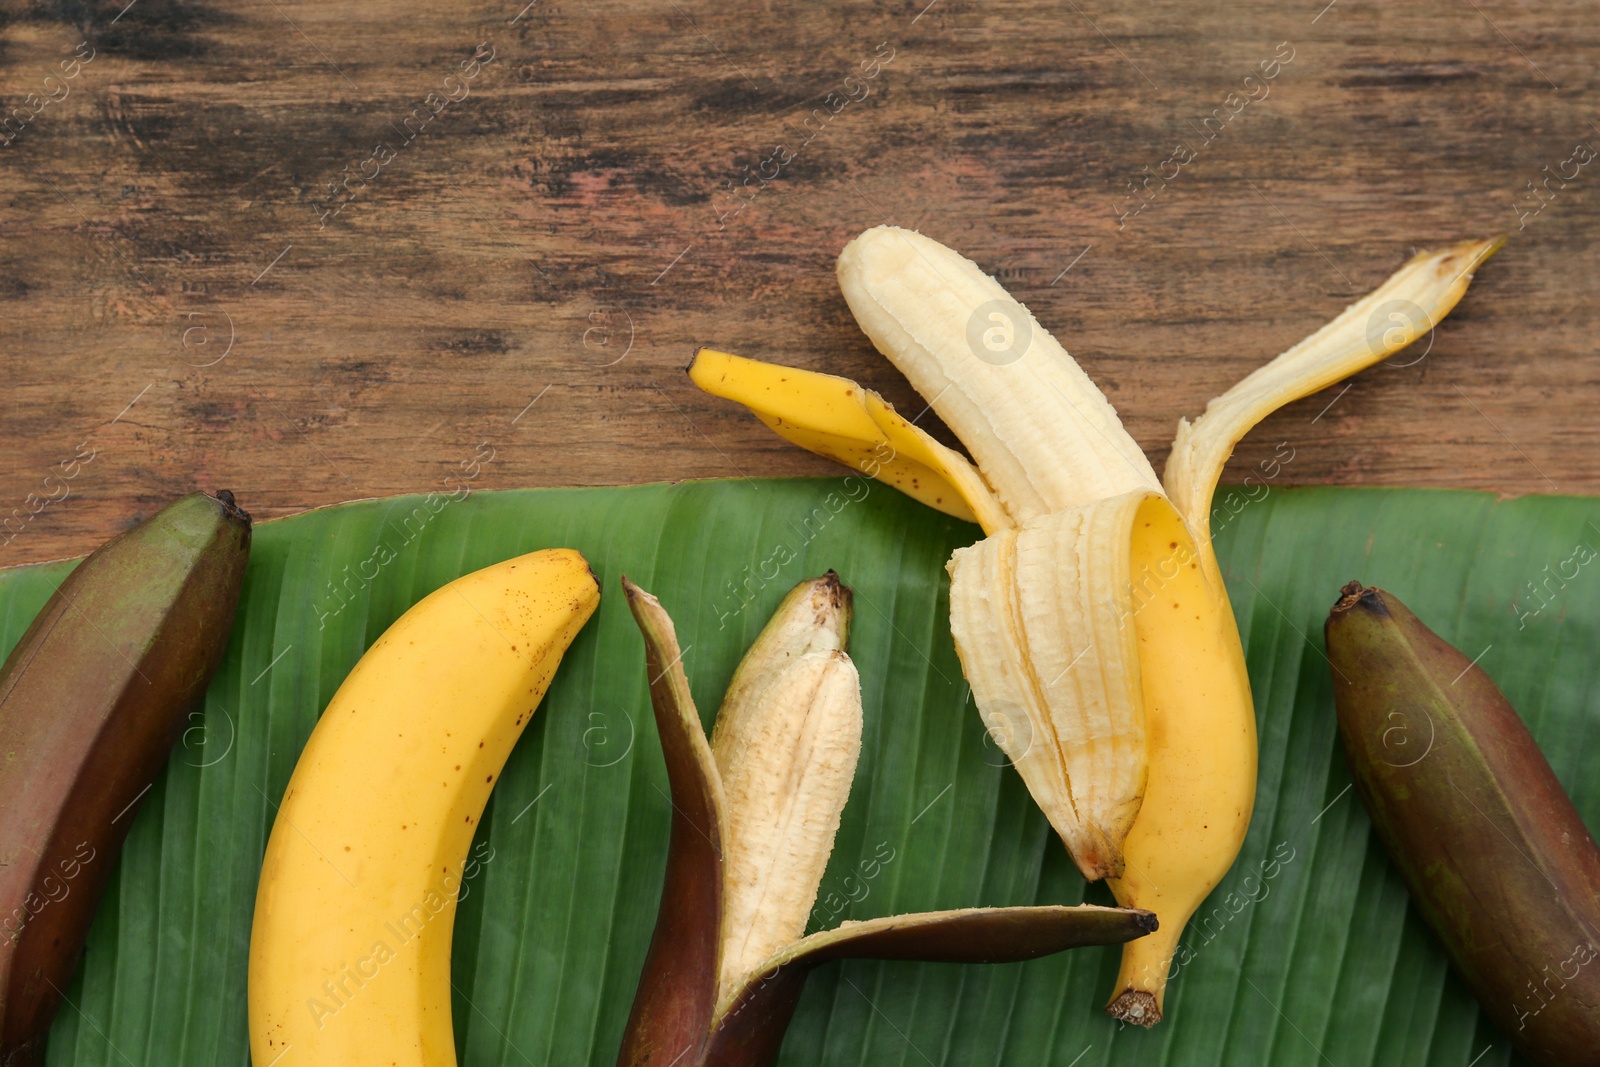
(1092, 623)
(350, 951)
(1202, 725)
(1201, 739)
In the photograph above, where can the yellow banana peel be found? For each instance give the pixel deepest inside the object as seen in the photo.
(1092, 621)
(836, 418)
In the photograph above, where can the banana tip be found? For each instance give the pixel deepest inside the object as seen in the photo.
(842, 594)
(231, 507)
(1368, 597)
(1135, 1007)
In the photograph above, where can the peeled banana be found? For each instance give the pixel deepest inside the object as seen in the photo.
(1057, 680)
(1092, 622)
(754, 814)
(786, 742)
(350, 951)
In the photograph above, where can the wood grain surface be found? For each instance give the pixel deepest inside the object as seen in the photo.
(537, 213)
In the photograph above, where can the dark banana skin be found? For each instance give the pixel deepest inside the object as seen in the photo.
(92, 700)
(1494, 854)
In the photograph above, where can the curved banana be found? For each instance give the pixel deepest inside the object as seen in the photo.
(1203, 736)
(1043, 435)
(1093, 623)
(350, 952)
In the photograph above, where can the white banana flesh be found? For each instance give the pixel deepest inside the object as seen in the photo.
(811, 618)
(785, 745)
(1043, 435)
(785, 791)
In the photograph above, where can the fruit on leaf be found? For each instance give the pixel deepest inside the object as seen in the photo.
(754, 814)
(1496, 858)
(1093, 623)
(91, 701)
(350, 951)
(786, 742)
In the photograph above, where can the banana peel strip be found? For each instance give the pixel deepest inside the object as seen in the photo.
(1405, 307)
(678, 987)
(750, 1029)
(849, 424)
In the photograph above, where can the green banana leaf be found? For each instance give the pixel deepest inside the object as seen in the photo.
(1324, 963)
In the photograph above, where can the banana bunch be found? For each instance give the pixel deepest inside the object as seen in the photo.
(1092, 621)
(350, 951)
(755, 812)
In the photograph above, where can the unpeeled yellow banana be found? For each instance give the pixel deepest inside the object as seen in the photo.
(350, 951)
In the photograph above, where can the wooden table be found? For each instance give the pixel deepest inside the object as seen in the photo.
(523, 249)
